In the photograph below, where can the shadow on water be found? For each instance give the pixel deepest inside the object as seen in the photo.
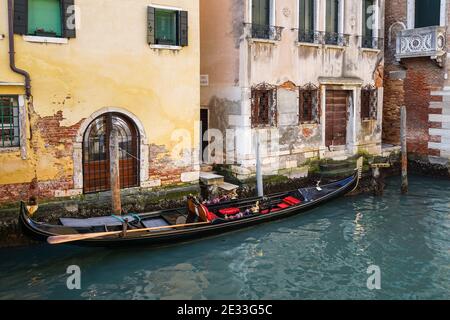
(322, 255)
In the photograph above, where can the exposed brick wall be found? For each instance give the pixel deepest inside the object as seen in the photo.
(163, 168)
(54, 136)
(422, 76)
(393, 99)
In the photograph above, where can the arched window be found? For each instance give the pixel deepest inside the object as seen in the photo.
(96, 142)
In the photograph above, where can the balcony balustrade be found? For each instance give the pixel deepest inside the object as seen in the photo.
(421, 42)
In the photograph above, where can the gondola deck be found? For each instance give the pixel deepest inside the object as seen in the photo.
(171, 226)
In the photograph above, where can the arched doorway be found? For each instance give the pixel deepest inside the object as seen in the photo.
(96, 170)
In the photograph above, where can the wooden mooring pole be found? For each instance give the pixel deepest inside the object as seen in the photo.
(403, 136)
(114, 156)
(259, 174)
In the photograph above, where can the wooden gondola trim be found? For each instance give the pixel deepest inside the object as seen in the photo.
(78, 237)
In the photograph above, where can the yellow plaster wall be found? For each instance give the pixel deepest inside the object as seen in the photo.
(108, 64)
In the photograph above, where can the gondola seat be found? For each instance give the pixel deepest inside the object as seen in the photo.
(271, 211)
(292, 201)
(154, 223)
(283, 205)
(229, 211)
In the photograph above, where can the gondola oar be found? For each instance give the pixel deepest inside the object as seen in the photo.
(78, 237)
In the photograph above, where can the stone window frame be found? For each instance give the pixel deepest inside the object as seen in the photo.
(22, 147)
(371, 99)
(315, 104)
(272, 108)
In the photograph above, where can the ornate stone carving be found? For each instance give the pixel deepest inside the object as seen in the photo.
(421, 42)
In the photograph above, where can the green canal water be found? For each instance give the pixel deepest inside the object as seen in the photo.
(323, 255)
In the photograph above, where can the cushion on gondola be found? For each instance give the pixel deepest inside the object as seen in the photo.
(229, 211)
(283, 205)
(209, 215)
(155, 223)
(292, 201)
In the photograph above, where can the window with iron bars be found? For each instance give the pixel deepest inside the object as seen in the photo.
(369, 102)
(264, 106)
(309, 104)
(9, 122)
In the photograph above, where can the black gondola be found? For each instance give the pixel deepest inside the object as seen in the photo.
(180, 225)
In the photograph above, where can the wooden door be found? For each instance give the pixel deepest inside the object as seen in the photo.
(96, 164)
(336, 118)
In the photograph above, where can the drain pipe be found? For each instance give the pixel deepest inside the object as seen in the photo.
(12, 61)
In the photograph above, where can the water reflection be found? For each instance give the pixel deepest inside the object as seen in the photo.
(322, 255)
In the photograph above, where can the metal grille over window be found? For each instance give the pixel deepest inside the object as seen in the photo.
(369, 102)
(96, 170)
(309, 110)
(9, 122)
(264, 106)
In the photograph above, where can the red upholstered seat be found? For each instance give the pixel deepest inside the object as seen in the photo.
(292, 201)
(283, 205)
(229, 211)
(209, 215)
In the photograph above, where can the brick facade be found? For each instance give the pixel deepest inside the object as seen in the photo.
(419, 84)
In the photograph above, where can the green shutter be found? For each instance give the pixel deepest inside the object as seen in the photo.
(332, 16)
(166, 27)
(69, 29)
(428, 13)
(151, 25)
(44, 17)
(306, 11)
(261, 12)
(20, 16)
(183, 33)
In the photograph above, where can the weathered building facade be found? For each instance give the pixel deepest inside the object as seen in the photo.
(417, 77)
(95, 66)
(306, 74)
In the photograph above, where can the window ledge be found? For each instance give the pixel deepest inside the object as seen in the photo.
(274, 42)
(309, 44)
(309, 124)
(334, 46)
(370, 50)
(39, 39)
(165, 47)
(9, 149)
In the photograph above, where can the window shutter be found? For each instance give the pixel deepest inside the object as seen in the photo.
(20, 16)
(183, 28)
(68, 11)
(151, 25)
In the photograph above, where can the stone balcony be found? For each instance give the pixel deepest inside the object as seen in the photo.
(422, 42)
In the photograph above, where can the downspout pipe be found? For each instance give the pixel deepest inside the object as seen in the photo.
(12, 61)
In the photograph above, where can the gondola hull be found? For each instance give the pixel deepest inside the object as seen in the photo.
(42, 231)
